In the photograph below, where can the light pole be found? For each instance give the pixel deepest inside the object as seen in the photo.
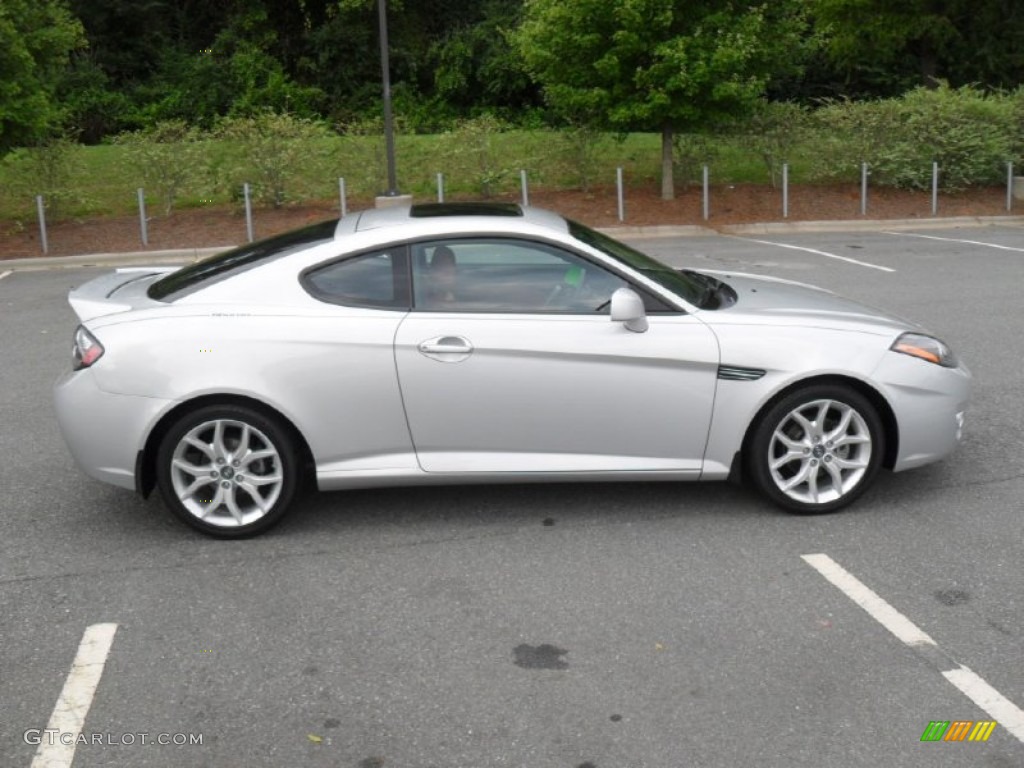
(389, 130)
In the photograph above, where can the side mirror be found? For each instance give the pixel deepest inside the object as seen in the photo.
(628, 309)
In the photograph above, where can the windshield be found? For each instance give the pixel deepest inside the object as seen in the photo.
(681, 284)
(200, 274)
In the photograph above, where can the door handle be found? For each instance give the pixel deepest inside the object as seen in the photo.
(447, 349)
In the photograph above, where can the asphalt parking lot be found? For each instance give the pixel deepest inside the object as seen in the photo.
(576, 626)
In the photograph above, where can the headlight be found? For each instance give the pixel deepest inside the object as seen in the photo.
(86, 350)
(925, 347)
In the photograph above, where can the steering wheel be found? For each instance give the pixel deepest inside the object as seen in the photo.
(572, 282)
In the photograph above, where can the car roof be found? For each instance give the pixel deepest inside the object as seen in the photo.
(454, 216)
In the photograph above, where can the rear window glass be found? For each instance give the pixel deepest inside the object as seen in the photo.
(199, 275)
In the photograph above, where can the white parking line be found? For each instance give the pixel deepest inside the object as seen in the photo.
(957, 240)
(817, 252)
(999, 708)
(75, 699)
(880, 610)
(5, 274)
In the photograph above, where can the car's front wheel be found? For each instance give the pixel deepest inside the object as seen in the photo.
(227, 470)
(817, 449)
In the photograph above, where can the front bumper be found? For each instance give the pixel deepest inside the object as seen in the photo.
(929, 402)
(104, 431)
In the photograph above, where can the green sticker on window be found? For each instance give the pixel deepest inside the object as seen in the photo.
(574, 276)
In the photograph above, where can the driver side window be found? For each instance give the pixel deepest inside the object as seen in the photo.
(505, 275)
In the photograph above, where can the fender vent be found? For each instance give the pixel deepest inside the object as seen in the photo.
(739, 373)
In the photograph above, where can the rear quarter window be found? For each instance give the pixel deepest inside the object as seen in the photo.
(208, 271)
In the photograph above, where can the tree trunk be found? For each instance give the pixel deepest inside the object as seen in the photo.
(929, 65)
(668, 186)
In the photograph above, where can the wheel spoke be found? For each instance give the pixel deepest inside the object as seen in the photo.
(837, 476)
(254, 494)
(790, 443)
(198, 444)
(786, 458)
(262, 480)
(797, 479)
(842, 426)
(210, 507)
(819, 420)
(251, 456)
(192, 469)
(232, 505)
(243, 443)
(194, 486)
(857, 463)
(808, 428)
(850, 440)
(218, 439)
(812, 484)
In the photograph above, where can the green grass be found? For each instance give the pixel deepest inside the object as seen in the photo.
(102, 182)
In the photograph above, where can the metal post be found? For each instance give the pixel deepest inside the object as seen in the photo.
(785, 190)
(706, 195)
(343, 196)
(142, 217)
(1009, 186)
(389, 128)
(935, 189)
(440, 187)
(248, 212)
(526, 188)
(41, 210)
(863, 189)
(620, 194)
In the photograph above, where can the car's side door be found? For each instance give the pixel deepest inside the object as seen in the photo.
(514, 365)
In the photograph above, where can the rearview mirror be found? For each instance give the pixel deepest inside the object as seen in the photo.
(628, 309)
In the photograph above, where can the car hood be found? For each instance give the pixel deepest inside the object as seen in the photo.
(774, 301)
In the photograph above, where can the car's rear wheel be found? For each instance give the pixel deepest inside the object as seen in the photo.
(227, 470)
(817, 449)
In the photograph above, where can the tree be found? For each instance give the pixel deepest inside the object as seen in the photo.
(36, 39)
(657, 64)
(475, 65)
(960, 41)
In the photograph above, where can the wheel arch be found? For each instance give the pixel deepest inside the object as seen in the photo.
(880, 404)
(145, 462)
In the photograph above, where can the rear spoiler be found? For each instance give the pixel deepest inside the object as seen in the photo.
(96, 298)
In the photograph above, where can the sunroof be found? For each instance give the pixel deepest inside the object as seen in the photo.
(431, 210)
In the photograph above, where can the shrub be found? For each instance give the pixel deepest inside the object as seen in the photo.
(270, 151)
(773, 131)
(692, 152)
(580, 148)
(167, 157)
(471, 153)
(968, 133)
(852, 133)
(48, 169)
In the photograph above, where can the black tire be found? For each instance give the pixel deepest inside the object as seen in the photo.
(826, 466)
(250, 486)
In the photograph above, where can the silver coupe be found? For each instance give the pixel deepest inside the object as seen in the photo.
(486, 343)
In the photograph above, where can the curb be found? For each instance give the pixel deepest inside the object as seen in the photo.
(632, 232)
(848, 225)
